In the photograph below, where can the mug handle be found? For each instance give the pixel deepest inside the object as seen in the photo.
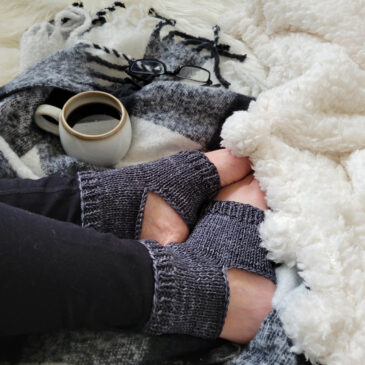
(43, 123)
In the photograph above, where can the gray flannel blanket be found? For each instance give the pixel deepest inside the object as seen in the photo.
(167, 116)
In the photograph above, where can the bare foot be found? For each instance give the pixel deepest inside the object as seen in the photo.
(249, 303)
(163, 224)
(246, 191)
(230, 168)
(250, 294)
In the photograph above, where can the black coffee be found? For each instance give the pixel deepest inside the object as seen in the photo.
(89, 112)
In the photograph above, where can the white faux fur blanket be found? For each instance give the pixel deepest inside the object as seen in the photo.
(305, 135)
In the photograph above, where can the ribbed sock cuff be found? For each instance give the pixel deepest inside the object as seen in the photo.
(190, 297)
(91, 199)
(114, 200)
(227, 234)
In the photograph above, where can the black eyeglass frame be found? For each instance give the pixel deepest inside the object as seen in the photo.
(165, 72)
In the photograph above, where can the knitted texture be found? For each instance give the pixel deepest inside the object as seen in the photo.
(114, 200)
(227, 234)
(191, 296)
(270, 346)
(167, 116)
(191, 289)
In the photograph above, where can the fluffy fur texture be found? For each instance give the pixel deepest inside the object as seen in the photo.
(305, 135)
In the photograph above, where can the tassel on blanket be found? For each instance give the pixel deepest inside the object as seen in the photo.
(78, 5)
(100, 15)
(215, 49)
(201, 43)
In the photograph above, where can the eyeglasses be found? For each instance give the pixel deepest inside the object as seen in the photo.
(146, 68)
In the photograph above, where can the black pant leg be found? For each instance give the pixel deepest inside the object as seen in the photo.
(54, 196)
(56, 275)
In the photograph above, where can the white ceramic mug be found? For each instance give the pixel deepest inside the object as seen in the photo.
(93, 126)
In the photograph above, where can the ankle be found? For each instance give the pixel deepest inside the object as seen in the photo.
(161, 222)
(249, 303)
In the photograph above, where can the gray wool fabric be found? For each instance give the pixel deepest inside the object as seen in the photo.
(191, 295)
(191, 289)
(227, 235)
(114, 200)
(269, 347)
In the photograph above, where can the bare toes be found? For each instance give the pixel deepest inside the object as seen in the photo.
(245, 191)
(230, 168)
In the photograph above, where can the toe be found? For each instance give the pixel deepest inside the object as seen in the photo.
(245, 191)
(230, 168)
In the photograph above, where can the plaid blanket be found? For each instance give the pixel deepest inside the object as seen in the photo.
(167, 116)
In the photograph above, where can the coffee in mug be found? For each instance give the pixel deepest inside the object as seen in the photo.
(93, 126)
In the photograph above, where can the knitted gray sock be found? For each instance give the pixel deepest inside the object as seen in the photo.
(227, 234)
(191, 296)
(191, 288)
(114, 200)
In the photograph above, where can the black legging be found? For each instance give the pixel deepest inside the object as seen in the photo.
(56, 275)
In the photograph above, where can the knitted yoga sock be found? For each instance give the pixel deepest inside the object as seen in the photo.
(227, 234)
(191, 296)
(114, 200)
(191, 289)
